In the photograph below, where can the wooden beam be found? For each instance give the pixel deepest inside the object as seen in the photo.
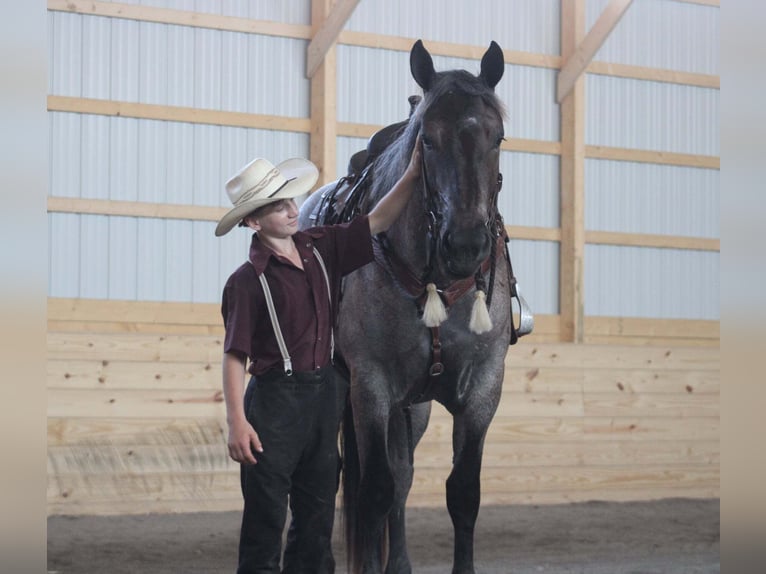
(180, 18)
(651, 240)
(324, 121)
(327, 35)
(715, 3)
(649, 156)
(572, 250)
(654, 75)
(578, 61)
(134, 209)
(176, 114)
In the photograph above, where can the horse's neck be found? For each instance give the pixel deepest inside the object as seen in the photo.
(408, 238)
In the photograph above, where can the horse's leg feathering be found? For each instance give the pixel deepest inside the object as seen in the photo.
(434, 312)
(480, 319)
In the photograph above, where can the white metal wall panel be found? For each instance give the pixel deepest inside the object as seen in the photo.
(207, 179)
(180, 172)
(180, 78)
(536, 267)
(207, 69)
(530, 193)
(344, 149)
(647, 282)
(94, 257)
(178, 242)
(652, 115)
(154, 66)
(65, 38)
(145, 160)
(124, 60)
(374, 84)
(648, 198)
(64, 154)
(64, 254)
(114, 59)
(154, 155)
(123, 257)
(286, 11)
(662, 34)
(524, 25)
(129, 159)
(96, 57)
(94, 157)
(123, 159)
(152, 269)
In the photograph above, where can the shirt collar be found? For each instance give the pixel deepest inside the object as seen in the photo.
(260, 254)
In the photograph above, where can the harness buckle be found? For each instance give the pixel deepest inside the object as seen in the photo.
(436, 369)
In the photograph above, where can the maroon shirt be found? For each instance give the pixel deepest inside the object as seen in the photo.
(300, 296)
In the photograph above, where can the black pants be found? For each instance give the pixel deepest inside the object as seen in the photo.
(297, 420)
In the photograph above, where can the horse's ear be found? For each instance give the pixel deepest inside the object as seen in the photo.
(422, 66)
(492, 65)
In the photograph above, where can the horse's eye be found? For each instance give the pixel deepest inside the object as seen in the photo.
(427, 143)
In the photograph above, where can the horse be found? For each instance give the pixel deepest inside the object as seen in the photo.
(403, 330)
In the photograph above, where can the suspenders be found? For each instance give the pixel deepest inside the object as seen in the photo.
(275, 321)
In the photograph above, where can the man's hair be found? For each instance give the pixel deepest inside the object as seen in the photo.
(257, 212)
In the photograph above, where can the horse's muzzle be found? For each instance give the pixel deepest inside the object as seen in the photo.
(464, 250)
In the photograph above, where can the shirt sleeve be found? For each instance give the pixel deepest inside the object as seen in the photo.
(352, 244)
(237, 318)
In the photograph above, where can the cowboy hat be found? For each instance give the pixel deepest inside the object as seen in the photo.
(260, 183)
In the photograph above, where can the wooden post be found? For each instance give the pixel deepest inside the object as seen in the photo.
(571, 293)
(577, 62)
(323, 102)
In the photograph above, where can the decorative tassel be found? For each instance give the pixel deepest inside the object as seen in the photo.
(434, 312)
(480, 320)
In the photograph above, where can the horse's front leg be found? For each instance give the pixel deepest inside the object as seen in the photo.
(464, 482)
(376, 482)
(405, 431)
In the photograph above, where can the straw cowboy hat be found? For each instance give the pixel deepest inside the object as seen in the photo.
(260, 183)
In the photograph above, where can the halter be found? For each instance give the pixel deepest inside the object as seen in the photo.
(434, 220)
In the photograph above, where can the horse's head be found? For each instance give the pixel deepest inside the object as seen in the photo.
(461, 127)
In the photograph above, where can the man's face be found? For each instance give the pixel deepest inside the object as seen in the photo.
(277, 220)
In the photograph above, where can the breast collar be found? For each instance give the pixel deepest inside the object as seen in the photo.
(409, 282)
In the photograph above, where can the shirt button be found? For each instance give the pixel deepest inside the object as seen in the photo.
(305, 260)
(308, 245)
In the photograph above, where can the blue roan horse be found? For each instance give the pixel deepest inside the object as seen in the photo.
(450, 243)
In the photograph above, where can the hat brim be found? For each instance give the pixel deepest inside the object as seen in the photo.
(301, 175)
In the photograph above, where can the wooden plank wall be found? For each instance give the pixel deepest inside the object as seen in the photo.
(136, 419)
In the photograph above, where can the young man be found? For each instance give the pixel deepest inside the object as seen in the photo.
(278, 310)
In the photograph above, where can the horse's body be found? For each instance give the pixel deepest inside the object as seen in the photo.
(381, 334)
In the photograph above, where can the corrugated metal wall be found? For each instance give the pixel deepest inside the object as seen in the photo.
(100, 157)
(648, 198)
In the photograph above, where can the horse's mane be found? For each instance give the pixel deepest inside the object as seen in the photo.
(390, 165)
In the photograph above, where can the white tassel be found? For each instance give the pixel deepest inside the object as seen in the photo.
(434, 312)
(480, 320)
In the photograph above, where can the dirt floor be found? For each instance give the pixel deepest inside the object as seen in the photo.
(668, 536)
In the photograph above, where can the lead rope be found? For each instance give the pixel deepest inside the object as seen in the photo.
(288, 365)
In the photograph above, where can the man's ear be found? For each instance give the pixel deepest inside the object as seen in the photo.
(252, 223)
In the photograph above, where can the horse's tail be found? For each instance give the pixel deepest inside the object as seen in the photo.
(351, 479)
